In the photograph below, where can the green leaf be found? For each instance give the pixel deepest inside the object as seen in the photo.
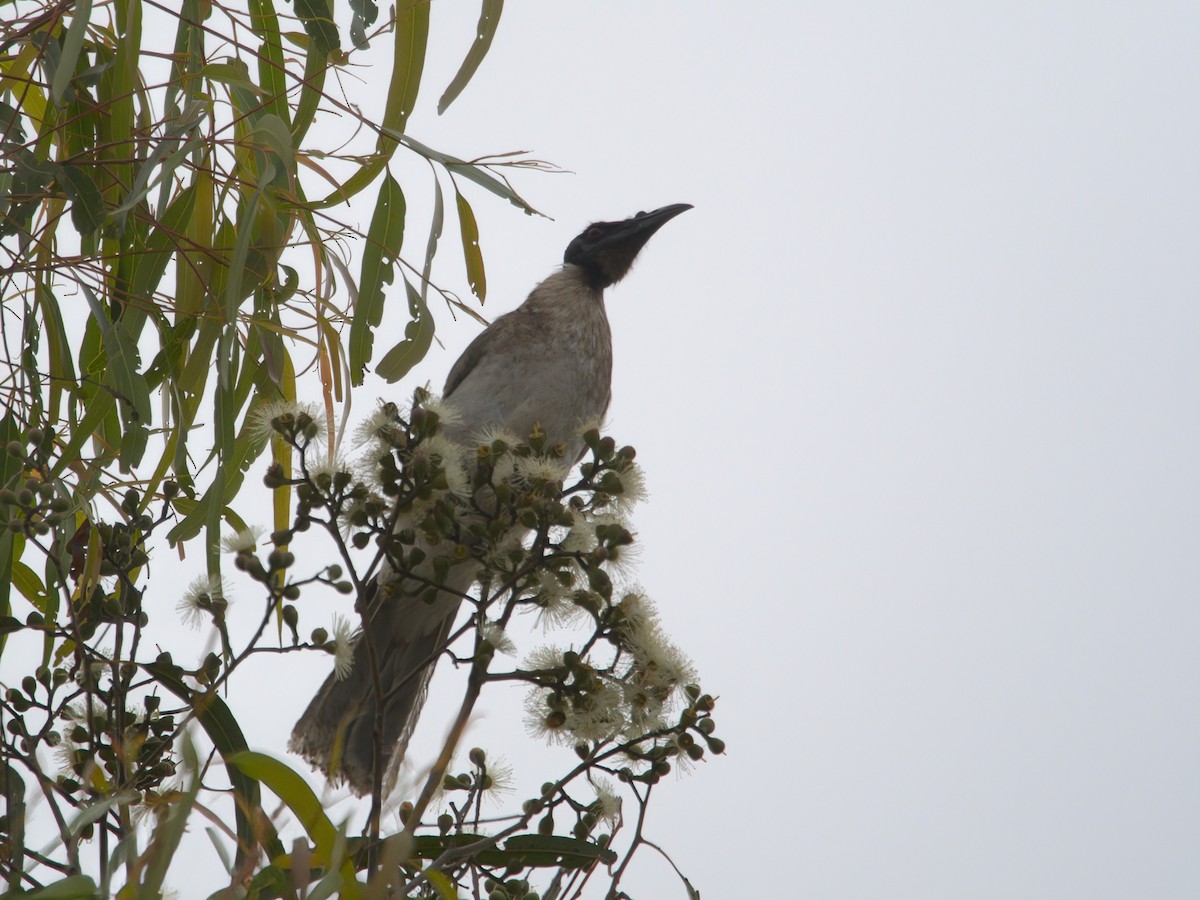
(26, 581)
(408, 62)
(488, 181)
(269, 881)
(531, 850)
(485, 31)
(122, 372)
(168, 830)
(275, 134)
(198, 514)
(378, 268)
(365, 13)
(311, 92)
(318, 22)
(435, 234)
(167, 155)
(10, 552)
(286, 784)
(94, 415)
(240, 277)
(58, 346)
(442, 884)
(73, 887)
(14, 801)
(471, 171)
(553, 850)
(72, 45)
(87, 206)
(418, 335)
(222, 729)
(289, 787)
(160, 247)
(235, 73)
(116, 93)
(472, 254)
(271, 71)
(11, 131)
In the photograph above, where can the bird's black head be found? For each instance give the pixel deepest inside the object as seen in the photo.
(606, 250)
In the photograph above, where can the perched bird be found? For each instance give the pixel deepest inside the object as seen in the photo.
(547, 363)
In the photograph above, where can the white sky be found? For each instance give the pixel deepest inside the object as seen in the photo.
(916, 391)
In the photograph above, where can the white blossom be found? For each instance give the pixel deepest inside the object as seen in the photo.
(581, 538)
(500, 779)
(319, 466)
(608, 801)
(452, 457)
(196, 603)
(261, 420)
(660, 665)
(633, 488)
(540, 468)
(555, 605)
(645, 709)
(447, 413)
(343, 647)
(542, 658)
(494, 635)
(490, 434)
(242, 541)
(589, 425)
(601, 716)
(381, 426)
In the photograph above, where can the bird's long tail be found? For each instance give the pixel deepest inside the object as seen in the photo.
(337, 733)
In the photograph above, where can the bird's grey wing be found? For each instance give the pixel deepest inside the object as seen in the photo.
(504, 336)
(465, 363)
(476, 350)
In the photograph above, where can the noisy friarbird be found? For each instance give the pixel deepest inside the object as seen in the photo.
(547, 363)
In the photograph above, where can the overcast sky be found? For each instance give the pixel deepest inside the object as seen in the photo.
(916, 390)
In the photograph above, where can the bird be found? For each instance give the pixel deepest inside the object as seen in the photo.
(546, 364)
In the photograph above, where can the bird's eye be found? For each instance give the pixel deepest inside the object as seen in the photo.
(594, 234)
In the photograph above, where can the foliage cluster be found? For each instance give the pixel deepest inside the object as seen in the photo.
(172, 276)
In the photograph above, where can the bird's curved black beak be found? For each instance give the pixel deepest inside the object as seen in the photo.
(606, 250)
(649, 222)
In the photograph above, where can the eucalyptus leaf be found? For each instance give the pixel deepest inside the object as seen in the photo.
(485, 31)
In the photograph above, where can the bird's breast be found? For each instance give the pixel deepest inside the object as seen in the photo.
(554, 371)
